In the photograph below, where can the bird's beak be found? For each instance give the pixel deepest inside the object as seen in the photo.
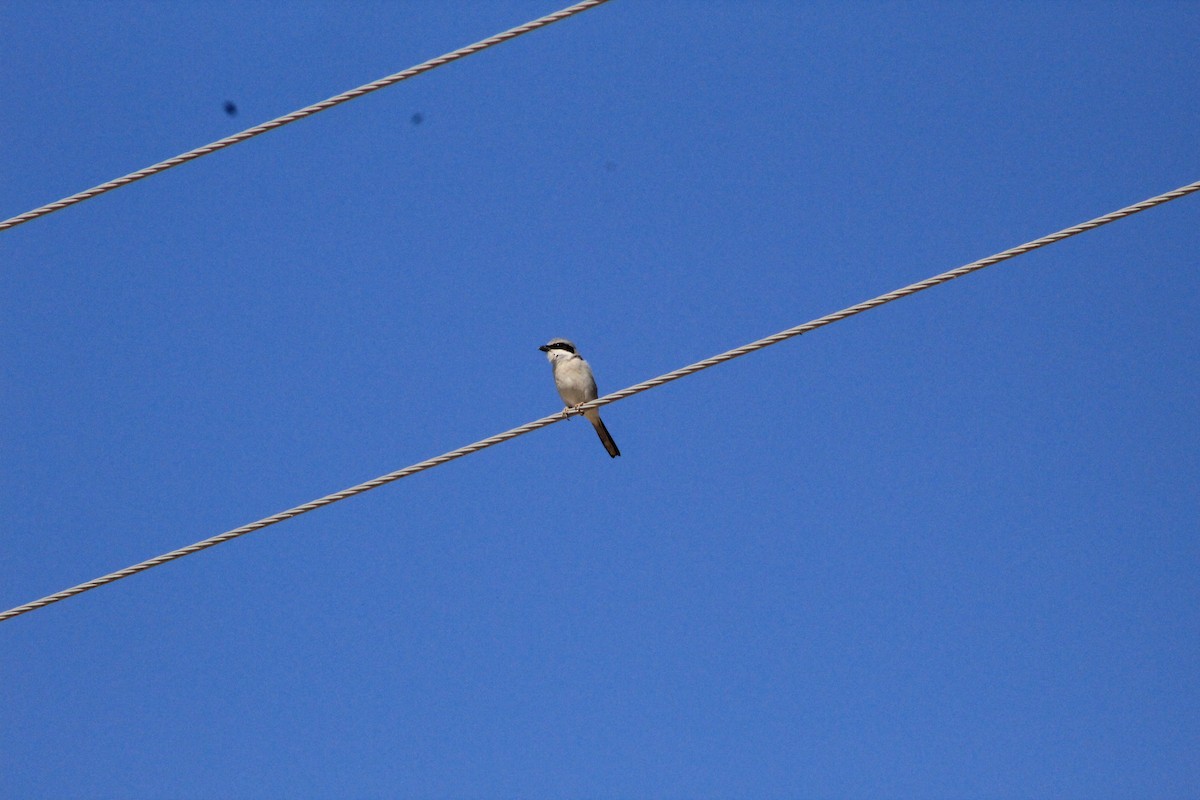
(544, 348)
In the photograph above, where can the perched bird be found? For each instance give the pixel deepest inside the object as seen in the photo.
(575, 384)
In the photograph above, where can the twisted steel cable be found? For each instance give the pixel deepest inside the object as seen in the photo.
(912, 288)
(729, 355)
(308, 111)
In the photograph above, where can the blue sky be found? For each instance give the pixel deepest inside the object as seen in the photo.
(947, 548)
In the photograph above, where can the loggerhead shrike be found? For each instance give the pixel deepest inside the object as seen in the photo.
(575, 384)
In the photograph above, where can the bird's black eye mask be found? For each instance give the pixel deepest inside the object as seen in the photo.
(546, 348)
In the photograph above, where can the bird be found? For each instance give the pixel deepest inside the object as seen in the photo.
(576, 385)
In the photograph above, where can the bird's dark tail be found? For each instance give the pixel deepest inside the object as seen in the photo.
(604, 435)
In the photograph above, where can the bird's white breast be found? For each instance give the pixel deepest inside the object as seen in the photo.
(574, 380)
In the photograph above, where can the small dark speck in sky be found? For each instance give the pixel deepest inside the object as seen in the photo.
(611, 166)
(418, 118)
(230, 108)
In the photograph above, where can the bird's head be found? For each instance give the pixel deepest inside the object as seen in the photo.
(558, 348)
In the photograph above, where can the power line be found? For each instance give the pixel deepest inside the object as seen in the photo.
(729, 355)
(308, 111)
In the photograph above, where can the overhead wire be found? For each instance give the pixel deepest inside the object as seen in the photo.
(307, 111)
(528, 427)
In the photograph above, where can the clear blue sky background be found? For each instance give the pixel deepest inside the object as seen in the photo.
(948, 548)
